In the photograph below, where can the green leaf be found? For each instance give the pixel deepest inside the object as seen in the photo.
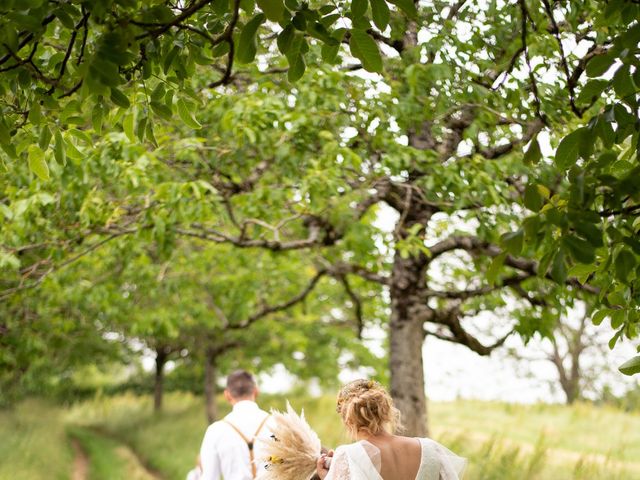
(35, 114)
(532, 198)
(59, 150)
(600, 315)
(569, 148)
(589, 231)
(330, 53)
(592, 90)
(64, 18)
(45, 137)
(149, 133)
(317, 30)
(273, 9)
(105, 72)
(623, 82)
(161, 110)
(365, 49)
(380, 13)
(97, 116)
(604, 130)
(140, 127)
(408, 7)
(495, 267)
(513, 241)
(247, 44)
(599, 65)
(558, 267)
(37, 163)
(187, 116)
(285, 39)
(624, 264)
(533, 153)
(582, 271)
(359, 8)
(617, 318)
(72, 152)
(5, 135)
(119, 98)
(296, 68)
(127, 126)
(168, 60)
(614, 339)
(580, 249)
(630, 367)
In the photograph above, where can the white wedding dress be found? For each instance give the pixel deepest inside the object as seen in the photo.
(362, 461)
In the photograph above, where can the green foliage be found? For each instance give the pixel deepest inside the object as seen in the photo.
(598, 215)
(62, 63)
(114, 211)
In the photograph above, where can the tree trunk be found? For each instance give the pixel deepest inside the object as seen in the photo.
(407, 338)
(161, 360)
(210, 379)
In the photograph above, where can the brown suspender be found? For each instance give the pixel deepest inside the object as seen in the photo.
(250, 443)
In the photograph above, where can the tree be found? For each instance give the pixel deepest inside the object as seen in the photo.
(438, 137)
(45, 338)
(577, 351)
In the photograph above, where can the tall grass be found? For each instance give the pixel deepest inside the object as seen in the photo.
(33, 443)
(501, 441)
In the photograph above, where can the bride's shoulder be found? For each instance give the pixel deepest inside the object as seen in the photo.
(347, 447)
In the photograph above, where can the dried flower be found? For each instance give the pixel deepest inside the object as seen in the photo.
(293, 450)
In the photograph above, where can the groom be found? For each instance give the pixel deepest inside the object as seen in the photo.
(229, 447)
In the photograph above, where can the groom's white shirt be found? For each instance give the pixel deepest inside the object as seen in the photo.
(224, 454)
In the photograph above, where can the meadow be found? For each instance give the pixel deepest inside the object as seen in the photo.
(121, 438)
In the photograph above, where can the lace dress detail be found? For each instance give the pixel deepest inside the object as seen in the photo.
(339, 469)
(362, 461)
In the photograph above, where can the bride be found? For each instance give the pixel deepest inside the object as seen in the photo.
(368, 413)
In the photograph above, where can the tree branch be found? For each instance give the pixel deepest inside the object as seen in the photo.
(471, 243)
(357, 304)
(175, 21)
(342, 268)
(511, 281)
(460, 336)
(269, 309)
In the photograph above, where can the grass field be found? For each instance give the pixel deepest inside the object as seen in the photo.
(33, 443)
(122, 438)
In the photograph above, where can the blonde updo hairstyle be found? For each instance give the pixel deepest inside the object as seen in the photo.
(366, 407)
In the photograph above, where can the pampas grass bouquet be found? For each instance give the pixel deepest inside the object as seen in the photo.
(293, 449)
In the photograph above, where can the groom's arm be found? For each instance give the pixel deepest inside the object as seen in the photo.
(209, 457)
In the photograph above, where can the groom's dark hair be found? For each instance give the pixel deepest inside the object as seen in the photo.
(241, 384)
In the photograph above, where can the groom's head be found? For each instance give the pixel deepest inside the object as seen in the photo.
(240, 386)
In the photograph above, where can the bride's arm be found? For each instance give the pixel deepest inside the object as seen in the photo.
(338, 468)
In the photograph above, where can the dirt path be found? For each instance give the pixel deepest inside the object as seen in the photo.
(131, 465)
(80, 461)
(139, 468)
(136, 469)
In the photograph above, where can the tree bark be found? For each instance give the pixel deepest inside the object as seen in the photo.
(210, 379)
(158, 391)
(406, 340)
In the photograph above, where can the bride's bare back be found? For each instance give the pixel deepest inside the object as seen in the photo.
(400, 457)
